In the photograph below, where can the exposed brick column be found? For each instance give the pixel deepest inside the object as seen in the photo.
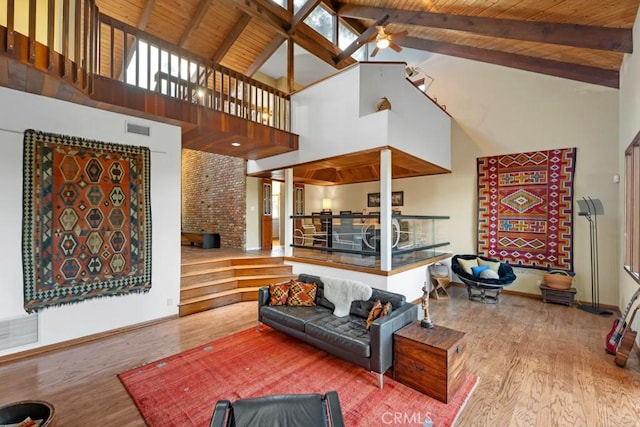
(214, 196)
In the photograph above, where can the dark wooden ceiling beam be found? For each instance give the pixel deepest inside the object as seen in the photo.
(265, 54)
(362, 38)
(583, 73)
(302, 14)
(233, 35)
(268, 12)
(586, 36)
(195, 21)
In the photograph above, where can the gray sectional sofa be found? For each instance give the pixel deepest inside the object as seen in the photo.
(346, 337)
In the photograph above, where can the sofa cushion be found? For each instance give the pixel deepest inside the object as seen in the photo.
(397, 300)
(348, 333)
(374, 313)
(293, 317)
(279, 293)
(320, 298)
(302, 294)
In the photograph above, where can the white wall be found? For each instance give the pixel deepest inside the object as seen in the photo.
(629, 126)
(498, 110)
(20, 111)
(337, 116)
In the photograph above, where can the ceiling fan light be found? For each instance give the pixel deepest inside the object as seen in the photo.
(382, 43)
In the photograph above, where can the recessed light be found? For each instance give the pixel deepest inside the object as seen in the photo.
(235, 144)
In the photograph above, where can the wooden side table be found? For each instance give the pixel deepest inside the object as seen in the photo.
(429, 360)
(439, 291)
(560, 296)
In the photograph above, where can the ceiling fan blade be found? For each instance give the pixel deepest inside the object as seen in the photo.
(375, 51)
(395, 47)
(399, 34)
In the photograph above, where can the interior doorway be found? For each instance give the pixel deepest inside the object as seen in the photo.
(276, 224)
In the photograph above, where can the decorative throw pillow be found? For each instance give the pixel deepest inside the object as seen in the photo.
(374, 313)
(479, 269)
(489, 274)
(494, 265)
(386, 309)
(466, 264)
(279, 293)
(302, 294)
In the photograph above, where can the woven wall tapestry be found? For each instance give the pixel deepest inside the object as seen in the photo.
(86, 227)
(525, 208)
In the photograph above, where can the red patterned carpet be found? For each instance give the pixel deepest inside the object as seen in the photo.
(181, 390)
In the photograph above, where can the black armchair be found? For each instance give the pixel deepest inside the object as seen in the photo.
(307, 410)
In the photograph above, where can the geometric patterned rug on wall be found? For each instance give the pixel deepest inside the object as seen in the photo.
(525, 208)
(86, 228)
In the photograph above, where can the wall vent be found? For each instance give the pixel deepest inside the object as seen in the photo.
(18, 331)
(138, 129)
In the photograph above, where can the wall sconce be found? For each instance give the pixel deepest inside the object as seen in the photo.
(326, 205)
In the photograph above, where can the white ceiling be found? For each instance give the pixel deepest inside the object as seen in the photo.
(307, 68)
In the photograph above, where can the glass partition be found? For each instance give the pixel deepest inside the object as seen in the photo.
(355, 238)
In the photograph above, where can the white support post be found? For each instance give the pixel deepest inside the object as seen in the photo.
(385, 210)
(288, 211)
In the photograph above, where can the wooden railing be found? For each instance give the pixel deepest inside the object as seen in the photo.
(73, 40)
(132, 56)
(66, 49)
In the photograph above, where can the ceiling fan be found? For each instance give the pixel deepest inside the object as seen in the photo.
(383, 39)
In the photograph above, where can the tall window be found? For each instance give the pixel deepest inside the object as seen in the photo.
(322, 21)
(632, 208)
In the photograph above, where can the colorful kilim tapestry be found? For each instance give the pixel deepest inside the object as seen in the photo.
(525, 208)
(86, 229)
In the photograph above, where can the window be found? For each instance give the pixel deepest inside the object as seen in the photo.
(321, 21)
(346, 36)
(632, 208)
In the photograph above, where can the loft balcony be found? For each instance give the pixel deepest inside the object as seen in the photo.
(81, 55)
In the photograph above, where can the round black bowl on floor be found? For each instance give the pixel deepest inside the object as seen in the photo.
(16, 412)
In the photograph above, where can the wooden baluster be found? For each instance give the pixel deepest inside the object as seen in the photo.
(76, 39)
(32, 31)
(10, 26)
(85, 40)
(65, 37)
(136, 49)
(50, 33)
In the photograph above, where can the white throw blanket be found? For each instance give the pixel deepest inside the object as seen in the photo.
(342, 293)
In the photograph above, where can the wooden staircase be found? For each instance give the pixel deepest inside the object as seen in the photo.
(215, 283)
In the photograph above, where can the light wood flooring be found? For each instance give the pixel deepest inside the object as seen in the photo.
(539, 365)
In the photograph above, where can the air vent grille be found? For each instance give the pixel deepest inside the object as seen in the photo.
(138, 129)
(18, 331)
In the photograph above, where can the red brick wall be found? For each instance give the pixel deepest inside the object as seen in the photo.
(214, 196)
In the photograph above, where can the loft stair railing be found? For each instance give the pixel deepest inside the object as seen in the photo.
(132, 56)
(55, 36)
(72, 40)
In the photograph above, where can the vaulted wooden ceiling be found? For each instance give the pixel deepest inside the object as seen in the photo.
(578, 39)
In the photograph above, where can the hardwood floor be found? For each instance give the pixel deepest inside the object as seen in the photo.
(539, 365)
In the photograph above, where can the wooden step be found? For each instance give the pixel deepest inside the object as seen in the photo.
(220, 299)
(258, 260)
(215, 286)
(207, 276)
(252, 270)
(204, 265)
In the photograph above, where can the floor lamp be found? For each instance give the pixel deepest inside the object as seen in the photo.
(590, 209)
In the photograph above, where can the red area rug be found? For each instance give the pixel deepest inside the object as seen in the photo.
(181, 390)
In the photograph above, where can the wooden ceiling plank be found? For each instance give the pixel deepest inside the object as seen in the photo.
(146, 14)
(266, 54)
(195, 21)
(587, 74)
(587, 36)
(302, 14)
(270, 13)
(357, 43)
(233, 35)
